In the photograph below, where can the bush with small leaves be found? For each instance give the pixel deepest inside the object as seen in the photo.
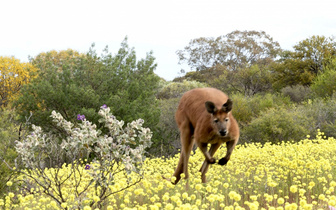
(118, 153)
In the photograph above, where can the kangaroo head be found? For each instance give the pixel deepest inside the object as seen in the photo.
(220, 117)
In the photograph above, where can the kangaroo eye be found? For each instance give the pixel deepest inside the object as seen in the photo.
(226, 119)
(215, 120)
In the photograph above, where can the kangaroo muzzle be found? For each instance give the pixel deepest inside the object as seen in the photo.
(222, 132)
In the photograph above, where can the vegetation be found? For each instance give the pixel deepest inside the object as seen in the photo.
(74, 83)
(13, 76)
(279, 98)
(279, 176)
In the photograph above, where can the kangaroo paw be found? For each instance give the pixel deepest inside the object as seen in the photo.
(222, 161)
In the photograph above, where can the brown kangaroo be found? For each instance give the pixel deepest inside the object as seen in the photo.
(204, 116)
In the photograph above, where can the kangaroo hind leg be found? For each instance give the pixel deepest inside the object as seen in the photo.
(186, 132)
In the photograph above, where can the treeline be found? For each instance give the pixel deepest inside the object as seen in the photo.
(278, 95)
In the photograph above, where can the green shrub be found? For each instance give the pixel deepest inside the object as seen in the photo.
(9, 132)
(247, 108)
(297, 93)
(324, 84)
(177, 89)
(323, 115)
(169, 141)
(276, 125)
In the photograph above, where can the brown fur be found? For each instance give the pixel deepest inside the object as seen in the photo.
(204, 117)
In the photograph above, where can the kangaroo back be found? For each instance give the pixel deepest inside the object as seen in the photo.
(192, 106)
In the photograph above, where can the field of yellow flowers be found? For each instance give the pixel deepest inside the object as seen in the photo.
(283, 176)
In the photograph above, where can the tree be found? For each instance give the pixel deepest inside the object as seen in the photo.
(73, 83)
(301, 66)
(248, 81)
(324, 84)
(13, 75)
(234, 50)
(317, 51)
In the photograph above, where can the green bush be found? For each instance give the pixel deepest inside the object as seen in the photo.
(324, 84)
(247, 108)
(276, 125)
(323, 115)
(9, 132)
(169, 141)
(177, 89)
(297, 93)
(79, 83)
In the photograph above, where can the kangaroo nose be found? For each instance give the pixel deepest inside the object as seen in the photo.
(222, 133)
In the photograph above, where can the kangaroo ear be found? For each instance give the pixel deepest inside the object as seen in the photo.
(227, 106)
(210, 107)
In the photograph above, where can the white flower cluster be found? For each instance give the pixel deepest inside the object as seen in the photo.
(120, 145)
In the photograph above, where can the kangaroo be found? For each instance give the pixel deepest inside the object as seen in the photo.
(204, 116)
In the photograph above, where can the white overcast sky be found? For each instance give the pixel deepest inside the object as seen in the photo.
(29, 27)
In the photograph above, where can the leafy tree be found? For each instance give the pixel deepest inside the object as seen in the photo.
(248, 81)
(317, 51)
(301, 66)
(324, 84)
(74, 83)
(206, 76)
(235, 50)
(13, 75)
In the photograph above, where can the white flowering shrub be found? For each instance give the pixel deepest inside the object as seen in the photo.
(93, 159)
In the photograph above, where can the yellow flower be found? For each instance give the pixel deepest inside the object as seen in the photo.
(152, 199)
(169, 206)
(193, 197)
(185, 195)
(96, 198)
(293, 188)
(281, 201)
(303, 202)
(332, 202)
(9, 183)
(312, 184)
(153, 207)
(165, 197)
(302, 192)
(321, 197)
(198, 187)
(225, 185)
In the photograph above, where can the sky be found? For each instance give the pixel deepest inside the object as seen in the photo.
(31, 27)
